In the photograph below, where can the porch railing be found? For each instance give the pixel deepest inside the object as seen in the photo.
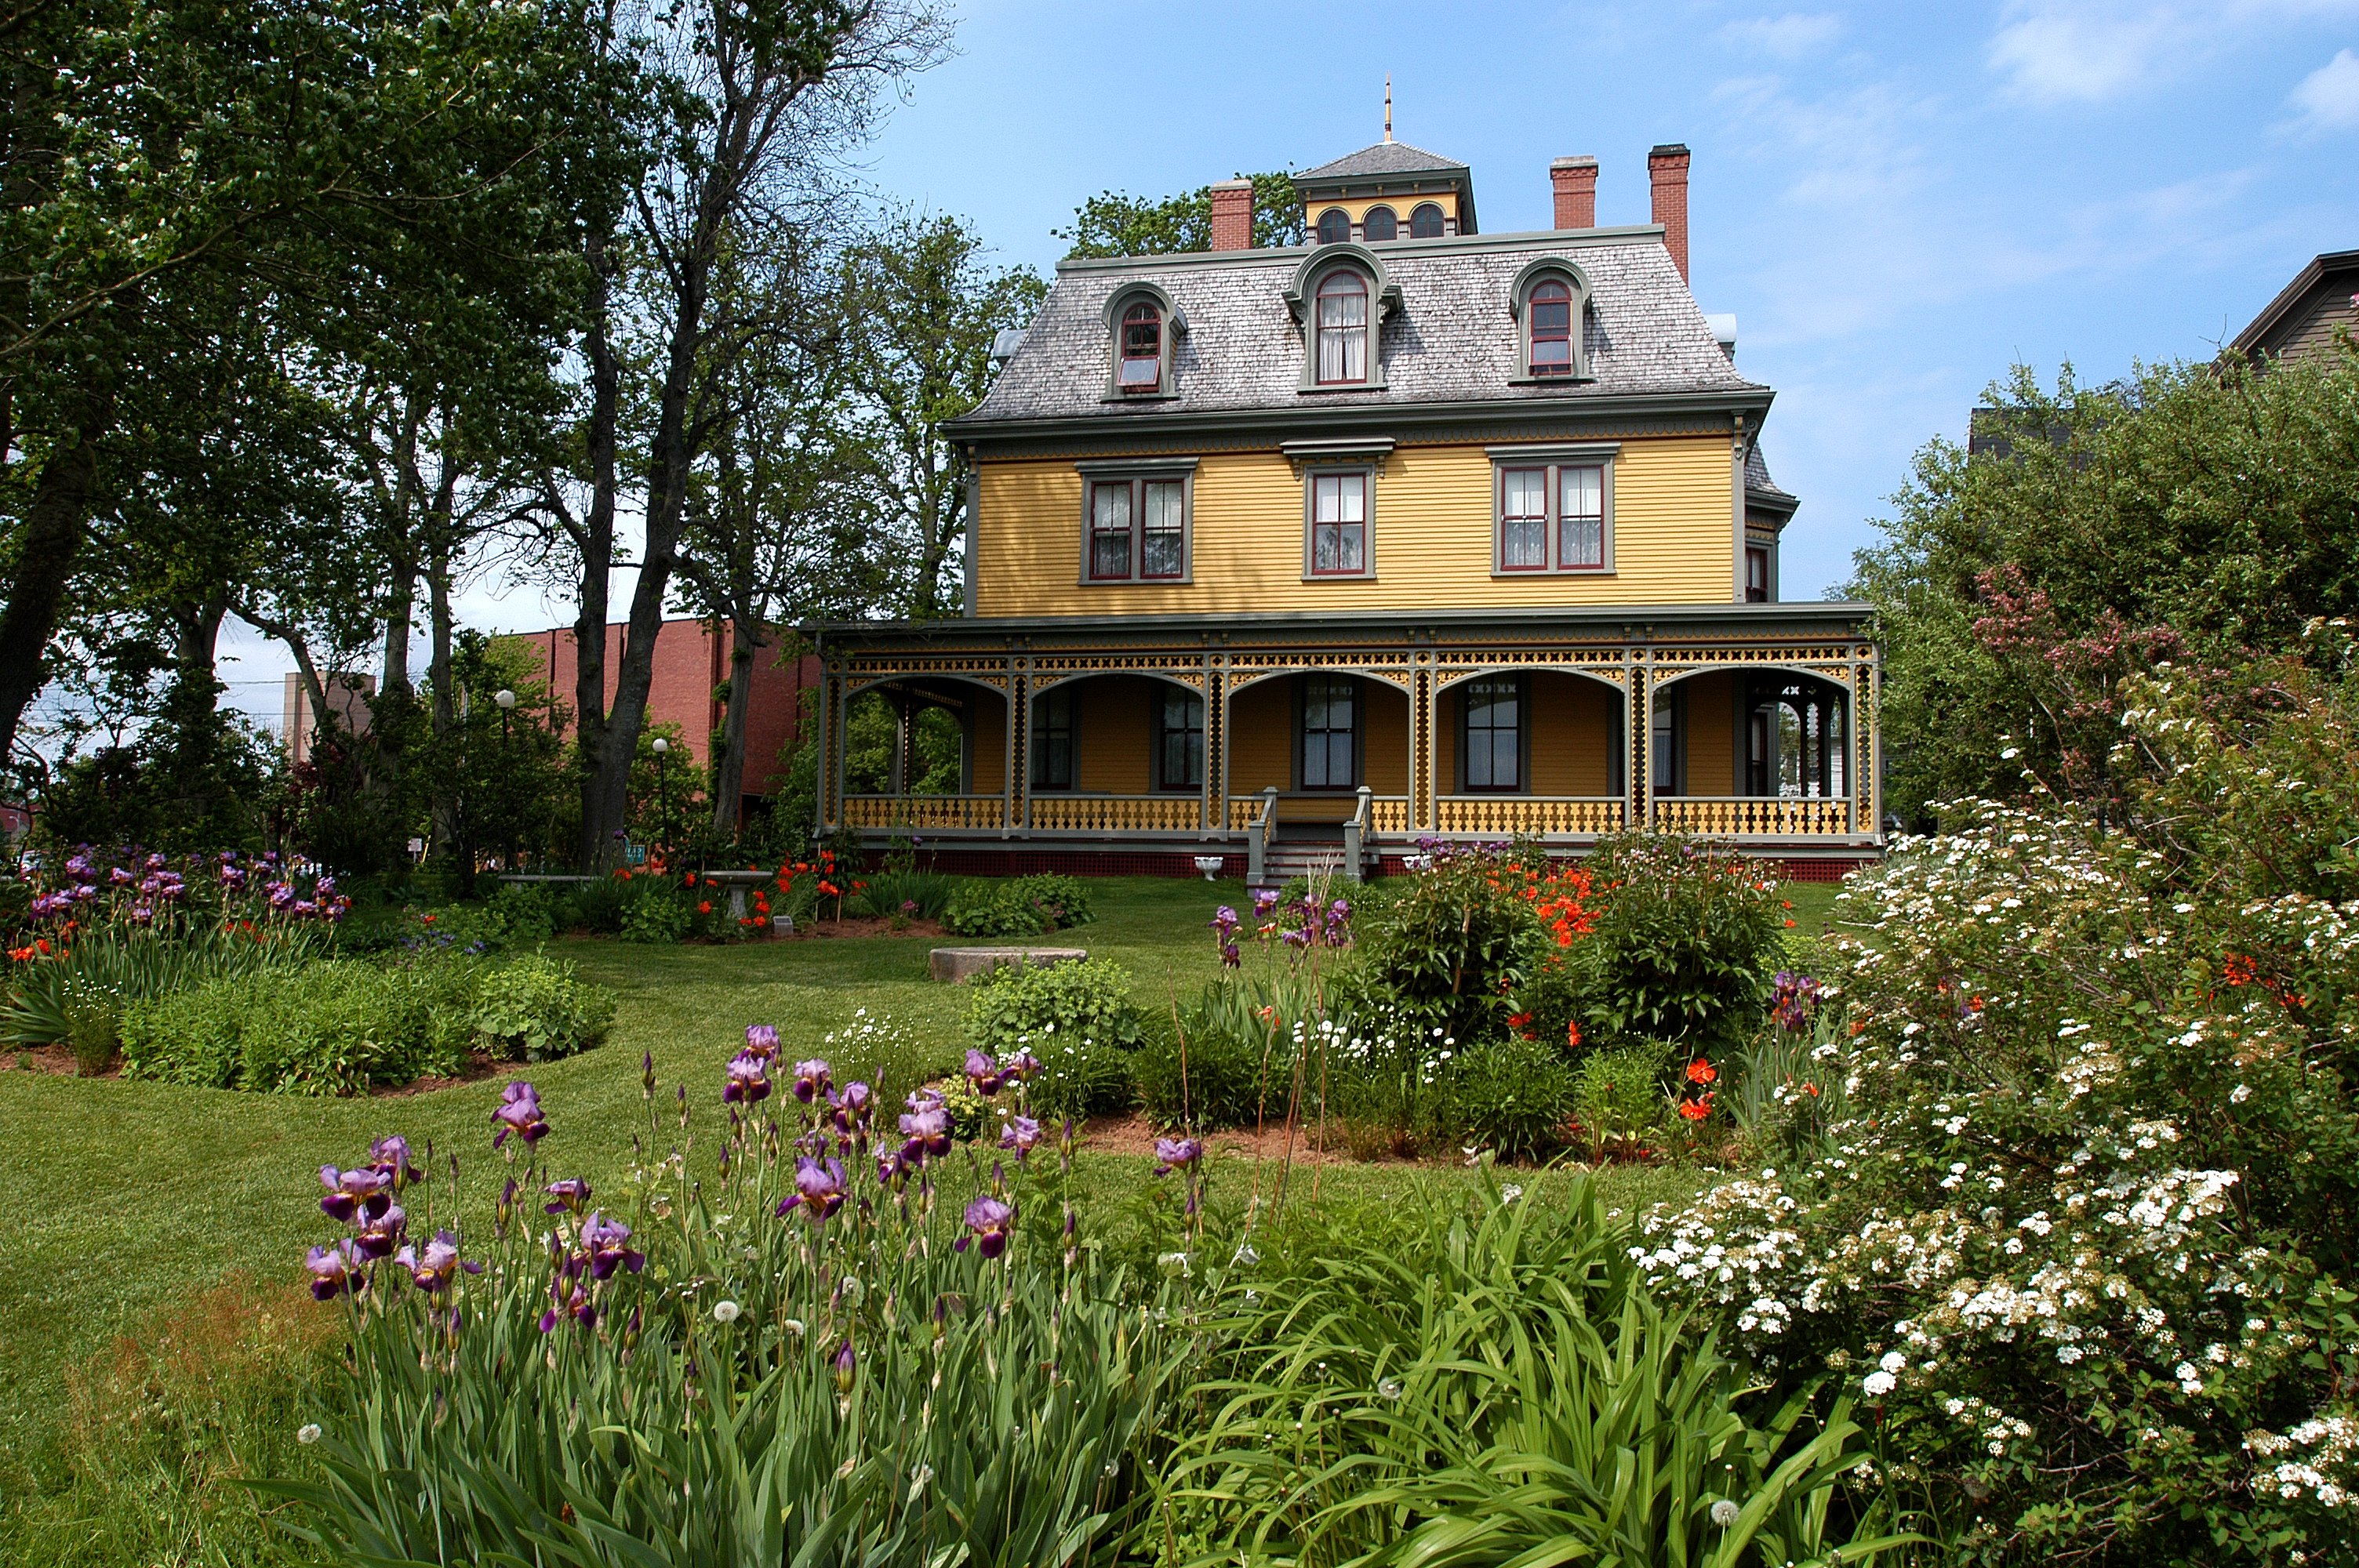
(935, 811)
(1511, 813)
(1734, 817)
(1388, 813)
(1116, 812)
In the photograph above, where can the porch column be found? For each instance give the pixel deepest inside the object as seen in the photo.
(830, 750)
(1007, 773)
(1638, 741)
(1422, 813)
(905, 711)
(1867, 739)
(1216, 757)
(1019, 748)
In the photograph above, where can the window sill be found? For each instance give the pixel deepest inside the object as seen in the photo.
(1187, 581)
(1339, 576)
(1140, 397)
(1315, 388)
(1500, 575)
(1552, 381)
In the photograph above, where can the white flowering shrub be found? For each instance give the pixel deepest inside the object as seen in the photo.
(2082, 1232)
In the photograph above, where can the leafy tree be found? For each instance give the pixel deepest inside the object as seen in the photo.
(2197, 511)
(927, 309)
(1114, 224)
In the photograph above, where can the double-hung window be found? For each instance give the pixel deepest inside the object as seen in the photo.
(1179, 740)
(1550, 311)
(1141, 369)
(1494, 733)
(1555, 511)
(1342, 326)
(1339, 524)
(1330, 732)
(1135, 526)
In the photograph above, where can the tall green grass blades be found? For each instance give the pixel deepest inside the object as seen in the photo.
(131, 965)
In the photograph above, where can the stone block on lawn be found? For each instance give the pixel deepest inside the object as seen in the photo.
(959, 965)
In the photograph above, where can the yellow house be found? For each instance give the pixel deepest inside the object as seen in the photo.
(1411, 533)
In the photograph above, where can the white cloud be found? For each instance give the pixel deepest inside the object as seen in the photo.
(2089, 51)
(1789, 37)
(2328, 98)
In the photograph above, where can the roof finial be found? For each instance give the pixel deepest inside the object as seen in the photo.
(1388, 105)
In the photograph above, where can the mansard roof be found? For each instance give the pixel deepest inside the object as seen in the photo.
(1452, 340)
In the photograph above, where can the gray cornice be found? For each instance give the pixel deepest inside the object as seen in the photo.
(1659, 623)
(1569, 239)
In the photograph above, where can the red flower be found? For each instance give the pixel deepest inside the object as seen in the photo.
(1696, 1110)
(689, 880)
(1700, 1071)
(1572, 1033)
(2237, 970)
(704, 906)
(1518, 1020)
(43, 945)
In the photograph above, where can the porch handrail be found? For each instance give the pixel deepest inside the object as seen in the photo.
(928, 811)
(1356, 833)
(1750, 816)
(1117, 813)
(1511, 813)
(1257, 836)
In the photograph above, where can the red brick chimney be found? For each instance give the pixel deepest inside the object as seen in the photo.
(1575, 179)
(1233, 215)
(1666, 168)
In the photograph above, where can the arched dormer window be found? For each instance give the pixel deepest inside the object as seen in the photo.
(1141, 369)
(1380, 224)
(1334, 226)
(1145, 327)
(1343, 329)
(1343, 297)
(1425, 223)
(1550, 300)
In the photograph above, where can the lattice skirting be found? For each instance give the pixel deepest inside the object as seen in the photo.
(1025, 862)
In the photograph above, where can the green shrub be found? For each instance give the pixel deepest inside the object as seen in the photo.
(535, 1008)
(132, 966)
(1444, 948)
(1234, 1063)
(1075, 1017)
(1680, 945)
(1020, 906)
(1618, 1097)
(1391, 1075)
(656, 916)
(332, 1027)
(1514, 1095)
(526, 912)
(599, 906)
(889, 891)
(93, 1017)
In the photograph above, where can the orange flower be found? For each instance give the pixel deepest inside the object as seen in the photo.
(1696, 1110)
(689, 880)
(1811, 1090)
(1700, 1071)
(43, 945)
(1572, 1033)
(704, 906)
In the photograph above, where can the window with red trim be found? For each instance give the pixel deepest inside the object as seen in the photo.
(1339, 525)
(1137, 529)
(1142, 350)
(1343, 320)
(1523, 520)
(1550, 311)
(1552, 518)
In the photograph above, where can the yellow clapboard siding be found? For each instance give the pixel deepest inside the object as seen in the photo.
(1261, 732)
(1431, 539)
(1384, 740)
(1113, 733)
(1712, 733)
(1572, 735)
(987, 755)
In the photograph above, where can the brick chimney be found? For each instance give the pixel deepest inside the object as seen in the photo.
(1233, 215)
(1666, 169)
(1575, 179)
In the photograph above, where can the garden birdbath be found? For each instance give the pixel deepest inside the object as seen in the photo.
(736, 883)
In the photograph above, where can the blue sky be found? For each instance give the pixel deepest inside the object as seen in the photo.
(1898, 202)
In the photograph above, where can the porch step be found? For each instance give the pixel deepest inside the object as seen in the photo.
(1285, 862)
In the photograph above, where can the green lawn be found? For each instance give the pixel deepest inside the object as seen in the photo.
(118, 1200)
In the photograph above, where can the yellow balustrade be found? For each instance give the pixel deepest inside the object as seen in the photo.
(1736, 816)
(1115, 813)
(1244, 811)
(1388, 813)
(915, 811)
(1507, 814)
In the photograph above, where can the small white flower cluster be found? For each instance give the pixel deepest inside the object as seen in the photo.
(2325, 1472)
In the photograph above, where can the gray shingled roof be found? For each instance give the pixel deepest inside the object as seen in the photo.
(1451, 341)
(1384, 157)
(1756, 473)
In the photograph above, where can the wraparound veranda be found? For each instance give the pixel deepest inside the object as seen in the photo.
(1235, 736)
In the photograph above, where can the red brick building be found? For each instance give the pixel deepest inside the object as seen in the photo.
(692, 668)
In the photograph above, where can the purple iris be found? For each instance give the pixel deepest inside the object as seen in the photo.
(79, 869)
(891, 1167)
(432, 1268)
(762, 1041)
(142, 914)
(853, 1104)
(1265, 901)
(352, 1194)
(120, 877)
(749, 1082)
(1224, 924)
(335, 1269)
(519, 1113)
(572, 1195)
(819, 1188)
(577, 1306)
(1176, 1153)
(1230, 957)
(281, 896)
(233, 878)
(390, 1157)
(156, 862)
(1021, 1134)
(982, 1073)
(810, 1080)
(381, 1233)
(324, 888)
(990, 1219)
(603, 1239)
(1022, 1067)
(925, 1128)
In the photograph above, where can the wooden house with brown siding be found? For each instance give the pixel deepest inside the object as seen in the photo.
(1408, 533)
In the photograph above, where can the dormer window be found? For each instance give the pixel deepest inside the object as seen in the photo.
(1551, 315)
(1334, 226)
(1142, 350)
(1425, 223)
(1343, 329)
(1380, 224)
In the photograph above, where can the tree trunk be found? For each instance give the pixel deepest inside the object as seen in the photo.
(451, 834)
(55, 525)
(729, 779)
(589, 727)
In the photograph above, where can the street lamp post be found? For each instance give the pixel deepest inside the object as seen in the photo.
(662, 749)
(507, 701)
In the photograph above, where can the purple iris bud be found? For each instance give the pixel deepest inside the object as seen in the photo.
(1021, 1134)
(435, 1265)
(1176, 1153)
(847, 1370)
(749, 1082)
(390, 1157)
(577, 1306)
(810, 1080)
(890, 1167)
(519, 1113)
(982, 1073)
(381, 1233)
(603, 1239)
(572, 1195)
(1230, 957)
(853, 1104)
(335, 1269)
(818, 1187)
(990, 1219)
(761, 1040)
(1022, 1067)
(504, 1210)
(353, 1195)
